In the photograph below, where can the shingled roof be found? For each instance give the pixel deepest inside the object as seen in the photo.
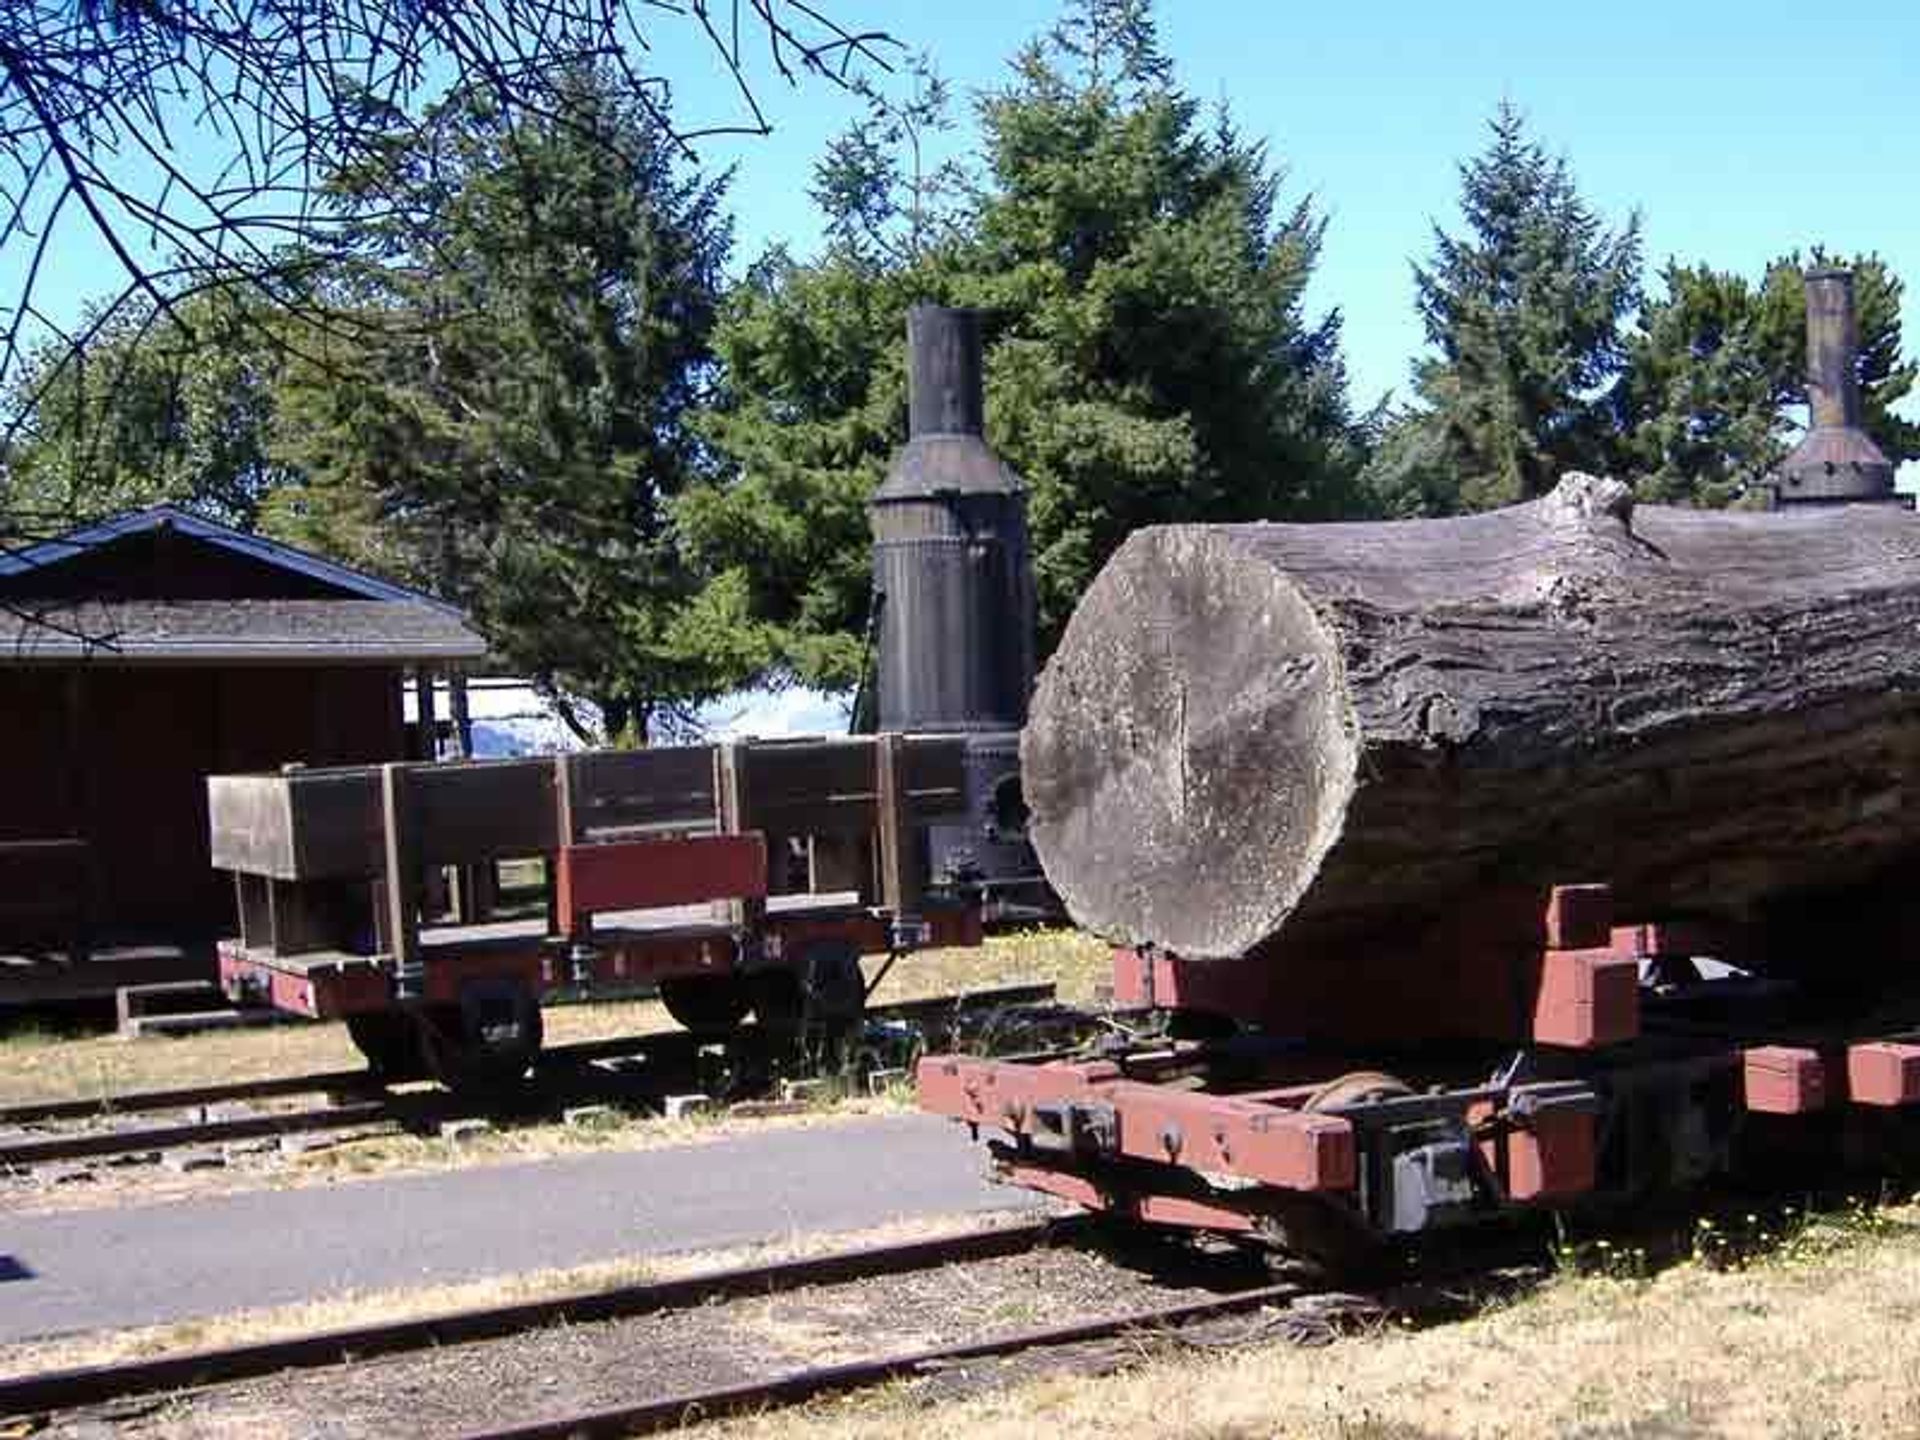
(102, 592)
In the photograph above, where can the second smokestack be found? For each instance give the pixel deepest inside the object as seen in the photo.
(1836, 463)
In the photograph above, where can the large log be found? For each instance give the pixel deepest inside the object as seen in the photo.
(1256, 737)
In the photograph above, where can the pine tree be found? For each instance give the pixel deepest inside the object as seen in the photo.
(507, 420)
(1524, 310)
(1155, 362)
(1701, 403)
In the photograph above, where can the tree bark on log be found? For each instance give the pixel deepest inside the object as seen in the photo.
(1256, 737)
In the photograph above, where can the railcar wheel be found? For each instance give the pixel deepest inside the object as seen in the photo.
(1316, 1237)
(1356, 1087)
(391, 1044)
(487, 1042)
(706, 1004)
(1326, 1237)
(823, 991)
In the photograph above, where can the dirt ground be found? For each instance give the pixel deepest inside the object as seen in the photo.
(375, 1307)
(343, 1158)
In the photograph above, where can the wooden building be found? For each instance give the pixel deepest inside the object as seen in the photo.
(138, 656)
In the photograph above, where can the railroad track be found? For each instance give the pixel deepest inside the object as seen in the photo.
(47, 1399)
(670, 1412)
(567, 1075)
(41, 1396)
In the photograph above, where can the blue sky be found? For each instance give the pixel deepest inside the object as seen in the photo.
(1739, 130)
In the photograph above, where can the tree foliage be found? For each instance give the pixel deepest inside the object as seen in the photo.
(178, 411)
(1149, 354)
(1716, 370)
(1525, 312)
(508, 420)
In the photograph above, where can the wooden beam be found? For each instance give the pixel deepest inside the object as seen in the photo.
(566, 822)
(401, 848)
(901, 877)
(428, 747)
(462, 716)
(475, 884)
(734, 804)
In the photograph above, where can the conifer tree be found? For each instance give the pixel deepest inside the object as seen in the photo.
(1524, 310)
(1149, 359)
(506, 419)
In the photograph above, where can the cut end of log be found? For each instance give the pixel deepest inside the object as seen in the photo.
(1148, 756)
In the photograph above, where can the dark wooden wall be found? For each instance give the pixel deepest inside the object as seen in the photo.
(119, 755)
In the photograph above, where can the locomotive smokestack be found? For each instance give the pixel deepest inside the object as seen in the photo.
(1836, 463)
(950, 561)
(954, 585)
(945, 383)
(1833, 341)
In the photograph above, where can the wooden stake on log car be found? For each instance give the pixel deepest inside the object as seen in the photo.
(1328, 728)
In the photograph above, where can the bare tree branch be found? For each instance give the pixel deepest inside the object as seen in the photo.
(193, 139)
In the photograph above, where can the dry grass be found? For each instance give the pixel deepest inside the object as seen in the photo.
(342, 1311)
(38, 1066)
(41, 1066)
(1819, 1339)
(1077, 964)
(387, 1154)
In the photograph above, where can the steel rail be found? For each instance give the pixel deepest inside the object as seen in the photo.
(65, 1390)
(35, 1111)
(553, 1058)
(794, 1386)
(172, 1137)
(1477, 1257)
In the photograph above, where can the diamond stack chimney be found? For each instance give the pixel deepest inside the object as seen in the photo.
(1835, 463)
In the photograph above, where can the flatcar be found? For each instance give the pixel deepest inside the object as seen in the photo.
(665, 868)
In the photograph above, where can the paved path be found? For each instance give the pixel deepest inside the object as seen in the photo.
(140, 1265)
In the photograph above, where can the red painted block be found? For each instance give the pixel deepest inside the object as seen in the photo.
(1552, 1159)
(1133, 987)
(1784, 1080)
(1587, 998)
(646, 874)
(1684, 938)
(1883, 1072)
(1553, 1156)
(1168, 982)
(1579, 917)
(1221, 1215)
(1226, 1135)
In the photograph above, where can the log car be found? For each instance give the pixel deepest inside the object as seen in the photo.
(1319, 779)
(1528, 1052)
(665, 867)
